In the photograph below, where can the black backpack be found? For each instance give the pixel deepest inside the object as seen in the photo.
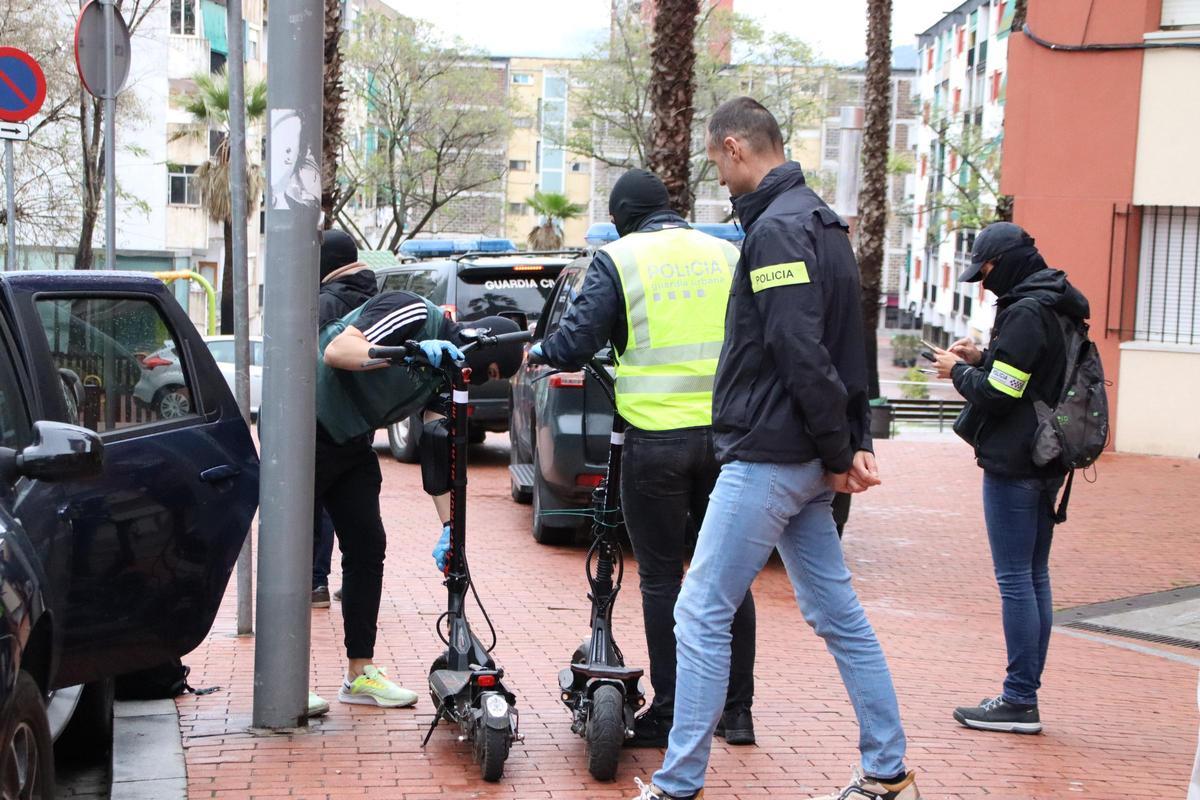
(1073, 433)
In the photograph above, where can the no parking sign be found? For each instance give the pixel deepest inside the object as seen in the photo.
(22, 85)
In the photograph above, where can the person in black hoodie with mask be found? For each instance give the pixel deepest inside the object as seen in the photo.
(1026, 361)
(676, 280)
(346, 283)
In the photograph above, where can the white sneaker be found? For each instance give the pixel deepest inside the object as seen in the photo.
(317, 706)
(862, 788)
(652, 792)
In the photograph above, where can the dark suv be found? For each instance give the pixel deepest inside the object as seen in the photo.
(471, 280)
(120, 520)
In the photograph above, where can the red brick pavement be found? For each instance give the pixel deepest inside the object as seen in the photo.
(1120, 723)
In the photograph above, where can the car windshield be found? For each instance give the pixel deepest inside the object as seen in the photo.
(482, 296)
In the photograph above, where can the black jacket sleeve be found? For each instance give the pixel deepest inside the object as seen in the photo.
(1003, 376)
(594, 318)
(786, 279)
(392, 318)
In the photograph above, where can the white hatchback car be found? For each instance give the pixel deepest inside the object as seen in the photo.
(221, 348)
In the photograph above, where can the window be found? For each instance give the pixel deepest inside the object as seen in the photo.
(522, 79)
(522, 122)
(183, 17)
(518, 209)
(995, 94)
(960, 35)
(14, 418)
(552, 162)
(957, 101)
(125, 354)
(1169, 276)
(518, 165)
(181, 185)
(924, 164)
(929, 59)
(917, 271)
(251, 45)
(1176, 13)
(945, 276)
(222, 351)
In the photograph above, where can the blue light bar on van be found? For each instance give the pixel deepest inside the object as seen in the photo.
(600, 234)
(729, 231)
(440, 248)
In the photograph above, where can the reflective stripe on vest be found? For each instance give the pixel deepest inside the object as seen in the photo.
(675, 283)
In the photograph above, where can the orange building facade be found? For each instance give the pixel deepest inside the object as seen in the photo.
(1102, 158)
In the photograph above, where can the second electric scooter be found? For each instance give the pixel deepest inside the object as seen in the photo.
(601, 692)
(466, 685)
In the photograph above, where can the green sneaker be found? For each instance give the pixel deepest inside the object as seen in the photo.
(373, 688)
(317, 706)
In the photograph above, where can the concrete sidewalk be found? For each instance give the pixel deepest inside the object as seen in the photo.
(1120, 715)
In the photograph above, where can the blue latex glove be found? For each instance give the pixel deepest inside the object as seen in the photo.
(433, 349)
(536, 354)
(442, 549)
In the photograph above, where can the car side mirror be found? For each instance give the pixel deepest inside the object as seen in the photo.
(60, 452)
(519, 317)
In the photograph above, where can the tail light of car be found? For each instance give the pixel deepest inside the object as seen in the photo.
(589, 479)
(565, 380)
(450, 311)
(154, 362)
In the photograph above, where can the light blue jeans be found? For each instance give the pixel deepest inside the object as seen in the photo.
(755, 508)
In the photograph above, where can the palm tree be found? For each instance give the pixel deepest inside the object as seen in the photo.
(554, 209)
(209, 108)
(332, 113)
(873, 199)
(672, 87)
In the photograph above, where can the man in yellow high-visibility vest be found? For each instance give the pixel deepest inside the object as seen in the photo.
(658, 294)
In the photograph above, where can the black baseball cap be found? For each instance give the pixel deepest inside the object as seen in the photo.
(992, 242)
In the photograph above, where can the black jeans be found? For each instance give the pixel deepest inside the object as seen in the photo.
(665, 477)
(322, 548)
(347, 486)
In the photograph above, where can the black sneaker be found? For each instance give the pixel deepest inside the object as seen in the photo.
(320, 597)
(997, 714)
(650, 730)
(736, 727)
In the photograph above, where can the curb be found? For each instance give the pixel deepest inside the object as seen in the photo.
(147, 756)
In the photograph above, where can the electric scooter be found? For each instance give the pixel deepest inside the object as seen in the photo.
(600, 691)
(465, 684)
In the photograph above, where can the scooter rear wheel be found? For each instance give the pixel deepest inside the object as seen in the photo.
(492, 750)
(605, 732)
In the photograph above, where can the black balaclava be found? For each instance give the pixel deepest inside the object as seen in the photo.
(337, 250)
(1012, 267)
(636, 195)
(507, 357)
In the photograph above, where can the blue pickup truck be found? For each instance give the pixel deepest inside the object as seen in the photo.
(119, 525)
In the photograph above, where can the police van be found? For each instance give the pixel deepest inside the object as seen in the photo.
(470, 279)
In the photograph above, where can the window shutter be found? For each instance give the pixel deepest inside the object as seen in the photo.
(1180, 12)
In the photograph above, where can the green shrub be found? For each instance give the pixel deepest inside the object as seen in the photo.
(912, 391)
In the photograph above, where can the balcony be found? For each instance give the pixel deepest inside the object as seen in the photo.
(188, 55)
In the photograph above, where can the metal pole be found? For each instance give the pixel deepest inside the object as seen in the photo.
(288, 426)
(110, 128)
(241, 300)
(10, 220)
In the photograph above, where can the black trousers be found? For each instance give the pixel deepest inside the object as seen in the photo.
(347, 486)
(665, 477)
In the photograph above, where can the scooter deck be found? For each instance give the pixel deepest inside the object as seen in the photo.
(606, 673)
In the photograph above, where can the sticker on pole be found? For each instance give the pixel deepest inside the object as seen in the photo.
(22, 85)
(89, 49)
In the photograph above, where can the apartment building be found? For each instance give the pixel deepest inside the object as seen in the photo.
(1101, 162)
(962, 85)
(834, 166)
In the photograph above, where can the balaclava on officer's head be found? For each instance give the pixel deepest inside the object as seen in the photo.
(337, 250)
(501, 361)
(636, 195)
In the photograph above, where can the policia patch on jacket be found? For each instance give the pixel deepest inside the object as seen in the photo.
(790, 274)
(1008, 379)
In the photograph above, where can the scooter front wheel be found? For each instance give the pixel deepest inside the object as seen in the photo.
(605, 732)
(491, 747)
